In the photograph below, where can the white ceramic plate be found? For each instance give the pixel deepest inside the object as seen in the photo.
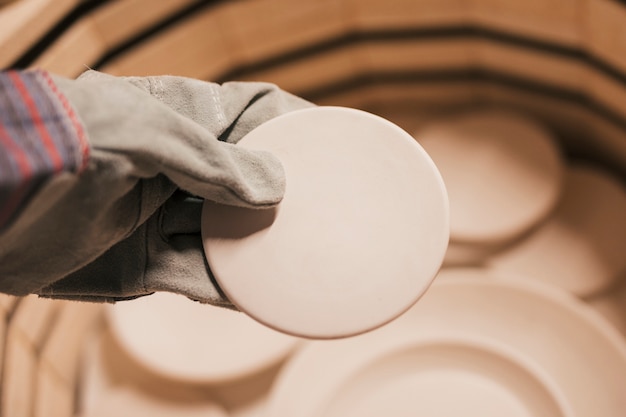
(407, 374)
(358, 238)
(502, 170)
(564, 345)
(187, 341)
(447, 378)
(582, 247)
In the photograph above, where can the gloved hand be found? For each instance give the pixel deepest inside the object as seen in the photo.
(129, 225)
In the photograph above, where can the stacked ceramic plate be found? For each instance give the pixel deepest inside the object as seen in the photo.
(165, 355)
(507, 328)
(473, 346)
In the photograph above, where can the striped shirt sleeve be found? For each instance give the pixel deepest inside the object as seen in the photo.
(40, 136)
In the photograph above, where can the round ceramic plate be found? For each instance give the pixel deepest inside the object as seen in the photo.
(406, 374)
(582, 247)
(559, 351)
(358, 238)
(503, 173)
(447, 378)
(192, 342)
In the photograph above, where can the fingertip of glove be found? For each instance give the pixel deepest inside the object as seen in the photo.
(262, 182)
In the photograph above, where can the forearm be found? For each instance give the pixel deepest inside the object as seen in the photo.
(40, 139)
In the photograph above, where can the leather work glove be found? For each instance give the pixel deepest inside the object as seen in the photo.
(129, 224)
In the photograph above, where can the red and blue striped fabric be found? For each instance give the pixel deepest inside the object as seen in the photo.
(40, 136)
